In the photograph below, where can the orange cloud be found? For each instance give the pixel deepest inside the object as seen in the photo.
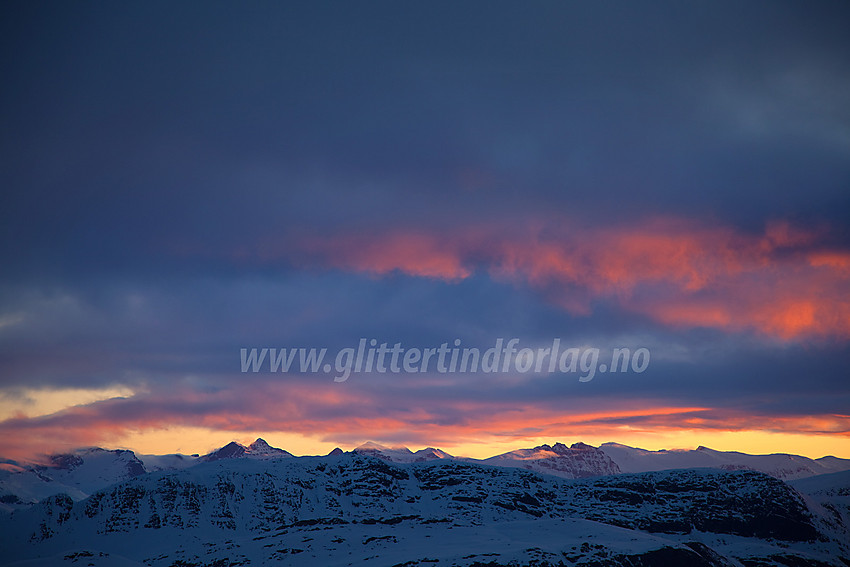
(674, 271)
(411, 253)
(836, 260)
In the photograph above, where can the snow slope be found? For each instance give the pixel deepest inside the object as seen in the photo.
(783, 466)
(78, 474)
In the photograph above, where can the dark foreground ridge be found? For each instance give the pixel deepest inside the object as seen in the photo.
(350, 508)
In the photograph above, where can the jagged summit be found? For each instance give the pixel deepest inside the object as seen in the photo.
(577, 461)
(560, 449)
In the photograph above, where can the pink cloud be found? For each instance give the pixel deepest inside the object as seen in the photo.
(678, 272)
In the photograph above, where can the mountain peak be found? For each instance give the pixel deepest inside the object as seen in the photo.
(579, 460)
(371, 446)
(401, 454)
(430, 453)
(260, 446)
(233, 450)
(230, 451)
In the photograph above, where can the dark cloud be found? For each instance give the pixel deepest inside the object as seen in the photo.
(167, 171)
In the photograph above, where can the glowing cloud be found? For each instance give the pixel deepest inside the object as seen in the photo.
(780, 283)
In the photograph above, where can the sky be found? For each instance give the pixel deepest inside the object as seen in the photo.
(182, 181)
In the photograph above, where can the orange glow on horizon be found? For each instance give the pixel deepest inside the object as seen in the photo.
(199, 440)
(479, 428)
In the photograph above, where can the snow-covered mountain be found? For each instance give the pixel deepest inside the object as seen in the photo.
(82, 472)
(77, 474)
(171, 462)
(577, 461)
(259, 449)
(360, 509)
(783, 466)
(829, 494)
(401, 454)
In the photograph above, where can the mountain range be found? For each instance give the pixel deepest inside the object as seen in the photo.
(84, 471)
(544, 506)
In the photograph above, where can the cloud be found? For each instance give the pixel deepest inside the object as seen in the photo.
(303, 177)
(27, 402)
(784, 282)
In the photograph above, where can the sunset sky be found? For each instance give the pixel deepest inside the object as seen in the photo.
(182, 180)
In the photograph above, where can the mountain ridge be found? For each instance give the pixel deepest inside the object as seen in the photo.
(80, 473)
